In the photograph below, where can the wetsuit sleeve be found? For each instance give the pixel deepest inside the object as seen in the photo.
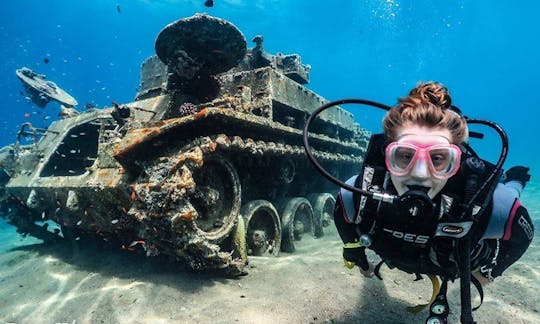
(518, 236)
(346, 230)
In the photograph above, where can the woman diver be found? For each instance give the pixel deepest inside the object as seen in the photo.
(424, 161)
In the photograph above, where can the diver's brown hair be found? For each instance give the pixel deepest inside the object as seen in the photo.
(428, 104)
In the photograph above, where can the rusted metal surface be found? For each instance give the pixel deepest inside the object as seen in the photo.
(41, 91)
(206, 167)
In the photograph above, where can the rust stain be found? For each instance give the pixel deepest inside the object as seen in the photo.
(127, 146)
(188, 216)
(203, 112)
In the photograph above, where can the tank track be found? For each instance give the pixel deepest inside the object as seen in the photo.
(162, 198)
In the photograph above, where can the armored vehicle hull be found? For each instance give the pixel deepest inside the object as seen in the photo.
(206, 166)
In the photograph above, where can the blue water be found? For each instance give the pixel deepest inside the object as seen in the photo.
(486, 52)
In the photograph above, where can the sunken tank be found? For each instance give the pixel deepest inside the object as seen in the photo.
(205, 165)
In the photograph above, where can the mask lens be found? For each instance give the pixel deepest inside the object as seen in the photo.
(403, 156)
(399, 158)
(441, 159)
(444, 160)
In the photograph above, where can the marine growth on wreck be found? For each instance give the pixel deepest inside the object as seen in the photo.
(205, 165)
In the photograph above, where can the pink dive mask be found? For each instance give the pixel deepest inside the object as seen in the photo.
(442, 159)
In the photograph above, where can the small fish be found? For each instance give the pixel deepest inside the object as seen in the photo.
(114, 221)
(209, 3)
(46, 60)
(136, 242)
(73, 151)
(43, 215)
(118, 9)
(89, 106)
(79, 223)
(77, 238)
(74, 136)
(27, 115)
(133, 196)
(46, 117)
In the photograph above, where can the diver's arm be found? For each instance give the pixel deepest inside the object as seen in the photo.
(516, 186)
(353, 253)
(517, 237)
(346, 229)
(515, 242)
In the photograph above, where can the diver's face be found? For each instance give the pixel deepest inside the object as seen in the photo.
(420, 173)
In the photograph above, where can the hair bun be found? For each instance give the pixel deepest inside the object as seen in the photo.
(432, 92)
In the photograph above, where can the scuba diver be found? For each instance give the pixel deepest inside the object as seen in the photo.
(435, 208)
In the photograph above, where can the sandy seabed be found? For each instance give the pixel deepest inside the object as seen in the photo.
(60, 284)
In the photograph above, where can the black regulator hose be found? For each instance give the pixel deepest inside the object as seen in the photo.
(498, 166)
(307, 147)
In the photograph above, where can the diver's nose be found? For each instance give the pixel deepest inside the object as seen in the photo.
(420, 170)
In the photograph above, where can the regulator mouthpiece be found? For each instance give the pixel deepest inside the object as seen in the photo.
(416, 202)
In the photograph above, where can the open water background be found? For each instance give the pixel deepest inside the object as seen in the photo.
(486, 52)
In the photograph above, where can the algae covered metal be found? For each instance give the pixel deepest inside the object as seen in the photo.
(40, 90)
(205, 165)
